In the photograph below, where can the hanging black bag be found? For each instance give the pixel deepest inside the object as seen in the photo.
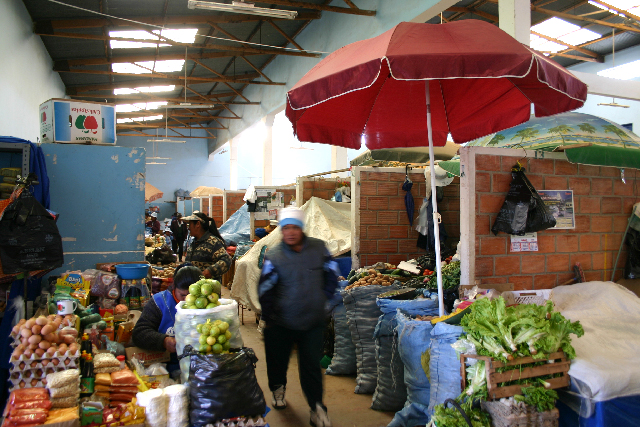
(29, 237)
(223, 386)
(523, 211)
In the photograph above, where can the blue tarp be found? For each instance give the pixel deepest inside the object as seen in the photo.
(36, 165)
(236, 228)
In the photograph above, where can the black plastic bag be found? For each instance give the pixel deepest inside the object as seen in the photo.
(523, 211)
(540, 216)
(223, 386)
(29, 237)
(632, 267)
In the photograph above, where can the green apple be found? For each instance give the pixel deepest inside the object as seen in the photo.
(190, 299)
(201, 302)
(206, 289)
(194, 290)
(211, 305)
(213, 298)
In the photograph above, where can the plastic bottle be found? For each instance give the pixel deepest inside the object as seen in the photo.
(121, 360)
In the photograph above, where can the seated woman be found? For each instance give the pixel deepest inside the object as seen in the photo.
(154, 330)
(208, 250)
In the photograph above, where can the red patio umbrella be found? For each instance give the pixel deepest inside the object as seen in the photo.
(415, 83)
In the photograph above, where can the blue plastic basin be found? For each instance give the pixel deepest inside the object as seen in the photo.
(132, 271)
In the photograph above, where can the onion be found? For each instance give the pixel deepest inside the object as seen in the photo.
(36, 329)
(41, 321)
(26, 333)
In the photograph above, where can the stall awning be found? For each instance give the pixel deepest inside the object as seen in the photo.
(151, 193)
(599, 155)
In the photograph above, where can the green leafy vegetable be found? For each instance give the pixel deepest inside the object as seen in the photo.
(540, 397)
(523, 330)
(451, 417)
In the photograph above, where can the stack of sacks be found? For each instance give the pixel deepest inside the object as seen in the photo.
(64, 388)
(124, 386)
(105, 363)
(102, 385)
(28, 406)
(155, 404)
(177, 414)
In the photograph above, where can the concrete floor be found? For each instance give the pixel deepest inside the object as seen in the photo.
(345, 408)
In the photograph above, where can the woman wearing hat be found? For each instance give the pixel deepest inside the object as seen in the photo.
(153, 223)
(208, 250)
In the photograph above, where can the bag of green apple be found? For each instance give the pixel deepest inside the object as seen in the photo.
(223, 313)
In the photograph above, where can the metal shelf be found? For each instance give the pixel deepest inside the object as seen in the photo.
(24, 149)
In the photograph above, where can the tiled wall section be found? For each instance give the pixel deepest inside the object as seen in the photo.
(602, 203)
(322, 188)
(385, 234)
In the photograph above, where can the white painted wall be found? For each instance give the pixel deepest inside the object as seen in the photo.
(615, 114)
(26, 76)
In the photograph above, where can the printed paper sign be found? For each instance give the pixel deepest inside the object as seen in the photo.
(526, 243)
(560, 202)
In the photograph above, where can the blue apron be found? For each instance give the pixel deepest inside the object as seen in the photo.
(167, 305)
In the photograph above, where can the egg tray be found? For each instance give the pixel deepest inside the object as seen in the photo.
(41, 380)
(73, 325)
(73, 362)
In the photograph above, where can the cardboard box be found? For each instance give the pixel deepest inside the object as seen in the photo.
(68, 121)
(147, 357)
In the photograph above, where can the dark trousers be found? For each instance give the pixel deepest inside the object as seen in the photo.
(180, 248)
(278, 343)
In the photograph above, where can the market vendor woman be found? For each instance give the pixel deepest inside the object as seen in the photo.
(208, 250)
(154, 330)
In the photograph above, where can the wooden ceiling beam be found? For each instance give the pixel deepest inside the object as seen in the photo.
(148, 135)
(566, 55)
(241, 79)
(621, 11)
(585, 19)
(285, 35)
(228, 85)
(480, 13)
(186, 20)
(226, 48)
(597, 56)
(77, 89)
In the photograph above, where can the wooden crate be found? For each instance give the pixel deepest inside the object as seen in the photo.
(560, 365)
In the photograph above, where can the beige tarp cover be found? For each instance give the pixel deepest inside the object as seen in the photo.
(206, 191)
(326, 220)
(151, 193)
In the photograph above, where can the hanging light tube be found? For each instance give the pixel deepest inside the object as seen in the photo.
(242, 7)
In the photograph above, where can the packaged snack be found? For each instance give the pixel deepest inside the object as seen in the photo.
(62, 415)
(34, 418)
(28, 394)
(124, 377)
(103, 379)
(63, 378)
(68, 390)
(64, 402)
(105, 360)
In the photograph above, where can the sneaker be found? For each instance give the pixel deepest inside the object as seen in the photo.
(319, 417)
(277, 401)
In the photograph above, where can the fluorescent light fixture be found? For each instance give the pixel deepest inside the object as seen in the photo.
(186, 35)
(166, 140)
(139, 119)
(242, 7)
(154, 163)
(148, 89)
(612, 104)
(169, 66)
(561, 30)
(628, 71)
(189, 105)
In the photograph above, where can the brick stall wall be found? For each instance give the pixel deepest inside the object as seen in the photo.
(385, 234)
(234, 202)
(216, 208)
(602, 204)
(322, 188)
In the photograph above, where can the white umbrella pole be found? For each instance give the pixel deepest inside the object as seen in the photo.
(434, 203)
